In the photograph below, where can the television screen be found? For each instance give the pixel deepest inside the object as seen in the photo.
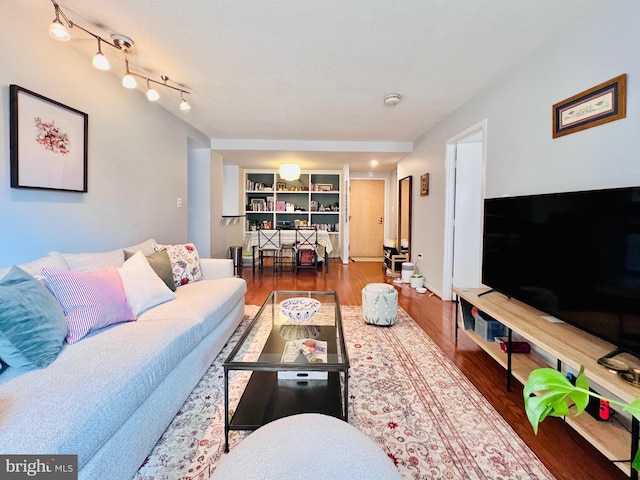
(574, 255)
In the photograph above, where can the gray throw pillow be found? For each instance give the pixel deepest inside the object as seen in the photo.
(161, 264)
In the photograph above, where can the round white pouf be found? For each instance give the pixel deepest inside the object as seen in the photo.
(380, 304)
(308, 446)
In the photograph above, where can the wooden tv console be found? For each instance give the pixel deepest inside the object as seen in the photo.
(571, 347)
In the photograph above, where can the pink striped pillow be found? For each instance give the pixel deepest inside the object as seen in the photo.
(90, 300)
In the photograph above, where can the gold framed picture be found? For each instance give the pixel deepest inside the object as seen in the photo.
(601, 104)
(424, 184)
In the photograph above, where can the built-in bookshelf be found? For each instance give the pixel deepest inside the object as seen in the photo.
(313, 199)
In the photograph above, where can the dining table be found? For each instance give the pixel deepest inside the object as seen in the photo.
(288, 237)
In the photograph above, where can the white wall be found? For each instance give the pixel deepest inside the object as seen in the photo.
(199, 208)
(137, 154)
(522, 157)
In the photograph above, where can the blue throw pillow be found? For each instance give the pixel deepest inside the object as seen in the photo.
(32, 323)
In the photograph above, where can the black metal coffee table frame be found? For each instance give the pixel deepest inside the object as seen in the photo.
(266, 398)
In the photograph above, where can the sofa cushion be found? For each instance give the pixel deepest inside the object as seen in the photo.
(52, 259)
(88, 262)
(143, 288)
(145, 247)
(185, 262)
(196, 301)
(160, 263)
(32, 324)
(90, 300)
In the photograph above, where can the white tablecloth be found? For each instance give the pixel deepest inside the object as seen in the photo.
(289, 236)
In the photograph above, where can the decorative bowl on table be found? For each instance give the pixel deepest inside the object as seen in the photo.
(300, 309)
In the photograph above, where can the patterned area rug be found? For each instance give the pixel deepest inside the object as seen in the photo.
(405, 393)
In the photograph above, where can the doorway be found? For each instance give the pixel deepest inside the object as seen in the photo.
(366, 233)
(465, 182)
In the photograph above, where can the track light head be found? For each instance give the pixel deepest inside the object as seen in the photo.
(57, 29)
(129, 81)
(184, 105)
(99, 60)
(152, 93)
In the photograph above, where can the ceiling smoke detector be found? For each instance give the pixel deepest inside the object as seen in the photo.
(392, 99)
(123, 42)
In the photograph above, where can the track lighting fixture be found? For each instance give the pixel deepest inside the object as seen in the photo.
(152, 93)
(99, 60)
(122, 43)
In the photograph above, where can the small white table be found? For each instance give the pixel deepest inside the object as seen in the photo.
(289, 237)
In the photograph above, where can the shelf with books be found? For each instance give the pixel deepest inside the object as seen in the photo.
(313, 199)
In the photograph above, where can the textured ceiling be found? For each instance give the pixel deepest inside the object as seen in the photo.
(317, 70)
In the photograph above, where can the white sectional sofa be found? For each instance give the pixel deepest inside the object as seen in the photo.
(109, 397)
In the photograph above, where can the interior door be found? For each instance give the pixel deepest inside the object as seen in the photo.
(366, 234)
(467, 241)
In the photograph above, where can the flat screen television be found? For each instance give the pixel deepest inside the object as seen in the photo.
(575, 256)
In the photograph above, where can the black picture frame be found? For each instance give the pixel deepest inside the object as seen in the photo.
(48, 143)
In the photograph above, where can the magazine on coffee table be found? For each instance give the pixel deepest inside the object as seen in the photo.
(305, 350)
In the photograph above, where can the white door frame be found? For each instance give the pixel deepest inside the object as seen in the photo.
(449, 207)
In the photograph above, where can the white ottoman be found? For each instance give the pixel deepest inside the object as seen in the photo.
(308, 446)
(380, 304)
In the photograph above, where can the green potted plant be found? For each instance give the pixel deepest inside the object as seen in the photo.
(546, 393)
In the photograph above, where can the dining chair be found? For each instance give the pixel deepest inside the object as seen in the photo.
(269, 245)
(287, 254)
(306, 248)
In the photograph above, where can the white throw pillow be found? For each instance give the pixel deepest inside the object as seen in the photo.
(143, 288)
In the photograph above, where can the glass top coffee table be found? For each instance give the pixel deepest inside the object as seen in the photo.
(294, 350)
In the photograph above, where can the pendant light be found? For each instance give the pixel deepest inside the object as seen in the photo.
(184, 105)
(57, 30)
(128, 81)
(152, 93)
(99, 60)
(289, 171)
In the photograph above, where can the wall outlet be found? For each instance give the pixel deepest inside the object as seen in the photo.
(179, 202)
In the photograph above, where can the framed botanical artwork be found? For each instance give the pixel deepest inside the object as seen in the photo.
(424, 184)
(325, 187)
(48, 143)
(601, 104)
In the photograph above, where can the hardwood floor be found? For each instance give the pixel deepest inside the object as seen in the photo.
(565, 453)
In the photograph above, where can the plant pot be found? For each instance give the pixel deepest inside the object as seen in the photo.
(417, 281)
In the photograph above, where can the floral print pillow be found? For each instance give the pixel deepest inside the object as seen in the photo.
(185, 262)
